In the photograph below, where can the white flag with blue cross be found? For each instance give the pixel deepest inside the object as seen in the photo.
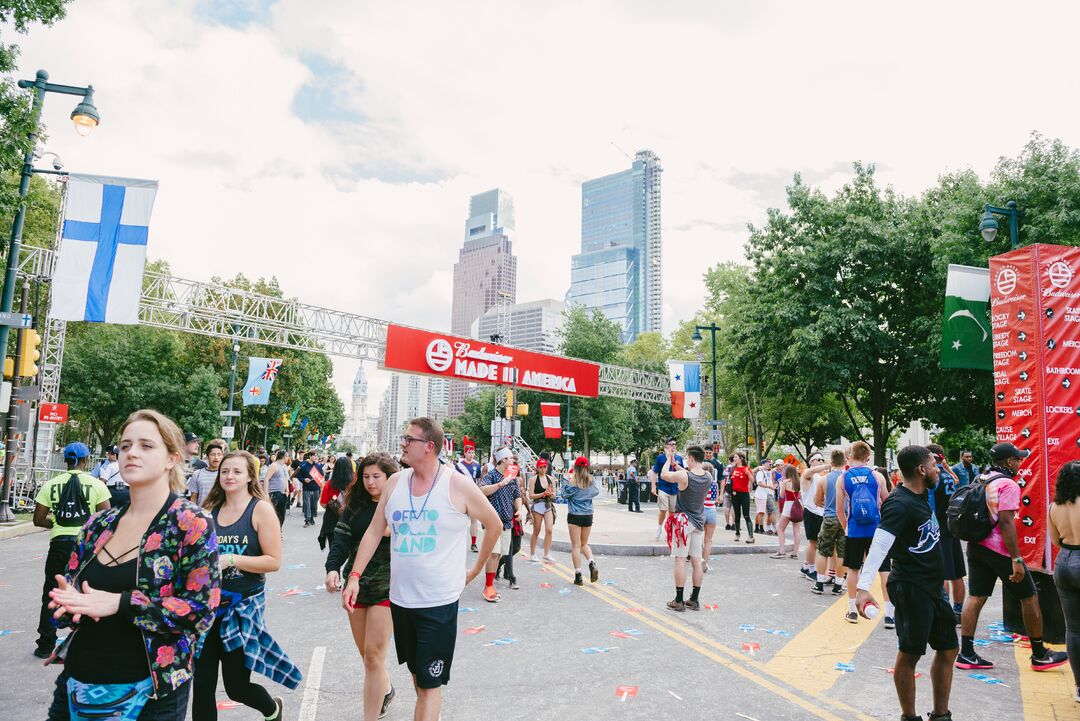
(99, 270)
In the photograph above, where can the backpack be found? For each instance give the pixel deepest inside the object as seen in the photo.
(968, 514)
(72, 510)
(863, 500)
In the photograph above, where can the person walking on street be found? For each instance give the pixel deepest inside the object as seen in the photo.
(1064, 531)
(369, 619)
(543, 510)
(70, 499)
(808, 483)
(909, 533)
(764, 486)
(469, 466)
(277, 484)
(504, 495)
(860, 491)
(249, 547)
(830, 547)
(201, 481)
(686, 527)
(579, 495)
(711, 497)
(427, 573)
(998, 557)
(792, 514)
(740, 491)
(633, 488)
(309, 487)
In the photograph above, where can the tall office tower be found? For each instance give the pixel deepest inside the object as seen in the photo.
(486, 271)
(620, 267)
(406, 398)
(533, 326)
(438, 397)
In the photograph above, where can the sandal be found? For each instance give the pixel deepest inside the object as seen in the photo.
(776, 555)
(793, 555)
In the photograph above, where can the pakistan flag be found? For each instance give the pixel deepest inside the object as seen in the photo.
(966, 340)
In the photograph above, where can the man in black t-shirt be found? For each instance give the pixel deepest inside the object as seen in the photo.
(309, 488)
(909, 533)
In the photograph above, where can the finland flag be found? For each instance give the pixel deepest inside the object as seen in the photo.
(99, 270)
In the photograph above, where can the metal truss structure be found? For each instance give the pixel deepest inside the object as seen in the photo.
(634, 384)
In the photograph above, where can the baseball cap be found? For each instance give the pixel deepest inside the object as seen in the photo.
(817, 457)
(115, 450)
(542, 463)
(76, 450)
(581, 461)
(189, 437)
(1005, 451)
(502, 454)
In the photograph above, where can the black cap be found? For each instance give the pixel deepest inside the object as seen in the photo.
(1005, 451)
(189, 437)
(115, 450)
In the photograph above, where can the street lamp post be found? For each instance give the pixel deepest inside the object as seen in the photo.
(989, 227)
(712, 328)
(86, 118)
(232, 373)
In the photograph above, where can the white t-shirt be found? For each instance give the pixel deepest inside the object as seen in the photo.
(764, 480)
(110, 474)
(808, 491)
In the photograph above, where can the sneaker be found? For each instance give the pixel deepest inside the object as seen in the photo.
(43, 651)
(974, 661)
(577, 580)
(490, 594)
(473, 548)
(1076, 694)
(704, 566)
(280, 703)
(514, 584)
(750, 540)
(692, 605)
(947, 716)
(659, 530)
(386, 701)
(737, 538)
(549, 559)
(808, 574)
(777, 555)
(594, 573)
(679, 606)
(851, 616)
(837, 589)
(819, 588)
(1052, 659)
(534, 559)
(890, 622)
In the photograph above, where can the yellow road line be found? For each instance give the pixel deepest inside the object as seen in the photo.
(809, 659)
(1046, 695)
(738, 663)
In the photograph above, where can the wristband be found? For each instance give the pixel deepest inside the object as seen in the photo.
(354, 574)
(1018, 559)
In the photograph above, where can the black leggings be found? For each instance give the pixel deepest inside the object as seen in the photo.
(740, 502)
(238, 685)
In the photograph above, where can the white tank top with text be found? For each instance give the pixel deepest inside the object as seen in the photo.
(428, 544)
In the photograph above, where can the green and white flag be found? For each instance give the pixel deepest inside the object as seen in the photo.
(966, 339)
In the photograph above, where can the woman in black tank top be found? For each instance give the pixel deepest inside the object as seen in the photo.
(249, 546)
(542, 496)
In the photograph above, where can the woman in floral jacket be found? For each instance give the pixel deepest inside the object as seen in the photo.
(141, 587)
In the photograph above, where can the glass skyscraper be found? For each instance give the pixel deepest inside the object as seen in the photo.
(619, 269)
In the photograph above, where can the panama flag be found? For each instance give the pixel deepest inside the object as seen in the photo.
(685, 388)
(552, 426)
(966, 340)
(99, 270)
(261, 375)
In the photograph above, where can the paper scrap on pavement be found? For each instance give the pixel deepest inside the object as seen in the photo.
(467, 610)
(474, 630)
(565, 591)
(227, 705)
(545, 585)
(751, 648)
(502, 642)
(625, 692)
(294, 566)
(845, 667)
(675, 695)
(598, 649)
(622, 634)
(632, 631)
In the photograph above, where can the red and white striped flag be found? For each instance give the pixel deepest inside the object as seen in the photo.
(448, 444)
(552, 426)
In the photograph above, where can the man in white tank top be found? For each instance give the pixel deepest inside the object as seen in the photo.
(427, 508)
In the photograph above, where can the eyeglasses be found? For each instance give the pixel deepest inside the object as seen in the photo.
(406, 440)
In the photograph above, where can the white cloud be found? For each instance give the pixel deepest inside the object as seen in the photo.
(461, 97)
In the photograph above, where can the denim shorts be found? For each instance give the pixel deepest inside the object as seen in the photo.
(710, 516)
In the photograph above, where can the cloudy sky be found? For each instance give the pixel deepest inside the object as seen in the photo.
(334, 143)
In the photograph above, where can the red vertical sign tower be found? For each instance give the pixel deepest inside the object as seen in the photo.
(1035, 316)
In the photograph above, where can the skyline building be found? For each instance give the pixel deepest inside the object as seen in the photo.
(534, 325)
(406, 397)
(485, 272)
(620, 267)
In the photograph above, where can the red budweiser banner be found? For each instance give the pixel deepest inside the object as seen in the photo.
(1035, 312)
(419, 351)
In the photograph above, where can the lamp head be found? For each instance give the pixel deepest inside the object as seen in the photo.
(989, 227)
(697, 336)
(85, 115)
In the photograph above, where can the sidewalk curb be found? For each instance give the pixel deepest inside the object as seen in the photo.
(618, 549)
(19, 529)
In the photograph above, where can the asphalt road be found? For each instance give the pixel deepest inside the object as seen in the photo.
(528, 660)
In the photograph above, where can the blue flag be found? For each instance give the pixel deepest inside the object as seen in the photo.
(261, 375)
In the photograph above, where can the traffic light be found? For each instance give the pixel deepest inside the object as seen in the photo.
(567, 444)
(30, 353)
(523, 409)
(9, 367)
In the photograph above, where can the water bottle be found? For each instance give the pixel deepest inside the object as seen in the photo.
(871, 610)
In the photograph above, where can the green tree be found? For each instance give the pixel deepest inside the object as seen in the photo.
(16, 128)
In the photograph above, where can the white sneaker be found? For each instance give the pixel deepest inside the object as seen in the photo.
(549, 559)
(659, 530)
(534, 559)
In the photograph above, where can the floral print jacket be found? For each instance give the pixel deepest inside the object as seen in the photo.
(178, 584)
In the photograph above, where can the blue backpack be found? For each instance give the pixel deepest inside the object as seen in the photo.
(862, 497)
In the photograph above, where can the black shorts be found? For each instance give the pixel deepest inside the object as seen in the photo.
(985, 567)
(584, 520)
(952, 554)
(811, 524)
(424, 639)
(922, 617)
(855, 550)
